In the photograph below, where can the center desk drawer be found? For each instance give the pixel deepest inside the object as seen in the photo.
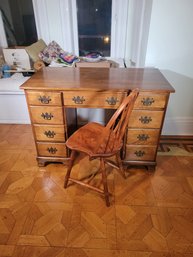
(110, 100)
(50, 132)
(48, 115)
(52, 149)
(145, 119)
(44, 98)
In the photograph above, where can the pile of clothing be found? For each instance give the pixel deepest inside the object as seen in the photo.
(50, 55)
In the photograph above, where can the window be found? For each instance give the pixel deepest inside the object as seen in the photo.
(67, 24)
(94, 26)
(18, 22)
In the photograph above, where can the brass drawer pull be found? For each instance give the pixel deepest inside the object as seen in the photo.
(139, 153)
(112, 100)
(47, 116)
(50, 134)
(78, 99)
(143, 137)
(145, 119)
(52, 150)
(147, 101)
(45, 99)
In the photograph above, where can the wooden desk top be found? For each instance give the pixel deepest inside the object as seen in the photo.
(98, 79)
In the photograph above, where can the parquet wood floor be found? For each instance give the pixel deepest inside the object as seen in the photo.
(151, 213)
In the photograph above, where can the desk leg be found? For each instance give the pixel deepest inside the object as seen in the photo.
(43, 161)
(151, 168)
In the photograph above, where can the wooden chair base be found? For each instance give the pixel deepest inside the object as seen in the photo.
(102, 169)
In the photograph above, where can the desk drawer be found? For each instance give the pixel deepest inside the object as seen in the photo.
(50, 132)
(142, 136)
(140, 153)
(44, 98)
(145, 119)
(47, 115)
(149, 100)
(110, 100)
(52, 149)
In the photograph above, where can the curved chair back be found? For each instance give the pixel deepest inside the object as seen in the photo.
(115, 129)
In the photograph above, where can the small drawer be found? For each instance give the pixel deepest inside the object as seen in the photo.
(110, 100)
(140, 153)
(50, 133)
(149, 100)
(44, 98)
(145, 119)
(142, 136)
(52, 149)
(47, 115)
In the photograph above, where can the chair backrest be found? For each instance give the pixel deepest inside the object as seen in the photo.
(116, 127)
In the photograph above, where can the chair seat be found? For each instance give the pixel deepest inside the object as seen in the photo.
(92, 139)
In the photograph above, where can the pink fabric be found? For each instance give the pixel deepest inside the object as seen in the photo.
(51, 52)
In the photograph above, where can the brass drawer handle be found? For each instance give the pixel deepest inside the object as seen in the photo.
(47, 116)
(143, 137)
(52, 150)
(145, 119)
(78, 99)
(112, 100)
(147, 101)
(50, 134)
(139, 153)
(45, 99)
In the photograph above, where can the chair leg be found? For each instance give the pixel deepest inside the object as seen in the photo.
(104, 180)
(118, 158)
(70, 164)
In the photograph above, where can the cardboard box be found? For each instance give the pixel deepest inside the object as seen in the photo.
(17, 57)
(101, 64)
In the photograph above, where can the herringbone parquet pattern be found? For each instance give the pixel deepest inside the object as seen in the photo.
(151, 213)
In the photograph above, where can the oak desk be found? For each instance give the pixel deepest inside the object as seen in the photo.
(51, 91)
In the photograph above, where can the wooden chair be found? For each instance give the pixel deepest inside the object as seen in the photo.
(102, 142)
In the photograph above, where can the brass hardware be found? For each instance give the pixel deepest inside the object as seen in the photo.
(112, 100)
(143, 137)
(45, 99)
(50, 134)
(147, 101)
(78, 99)
(139, 153)
(47, 116)
(52, 150)
(145, 119)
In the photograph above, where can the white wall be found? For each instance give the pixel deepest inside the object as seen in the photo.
(139, 14)
(170, 48)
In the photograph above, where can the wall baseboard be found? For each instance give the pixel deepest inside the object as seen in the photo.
(172, 138)
(12, 121)
(176, 142)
